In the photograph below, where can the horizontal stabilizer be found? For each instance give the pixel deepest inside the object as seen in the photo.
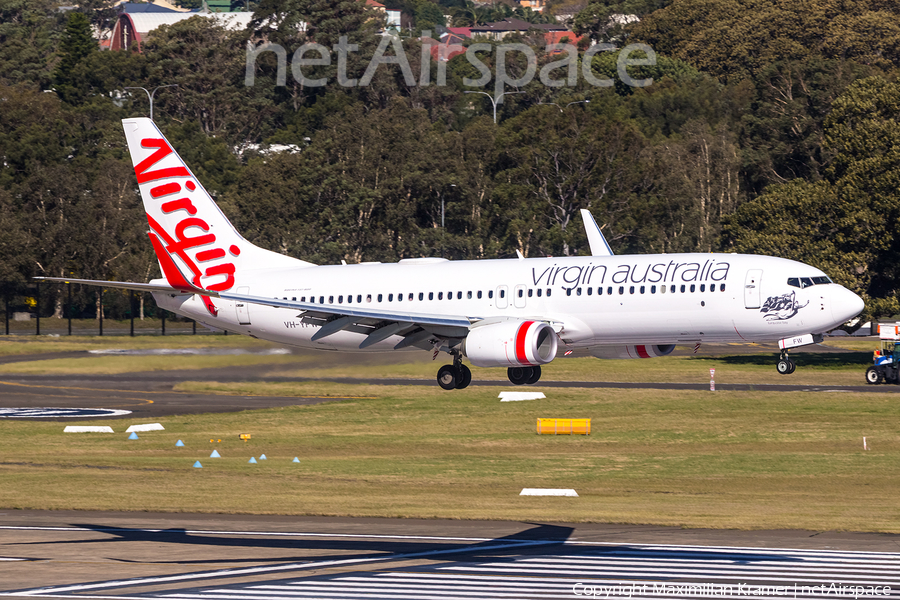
(122, 285)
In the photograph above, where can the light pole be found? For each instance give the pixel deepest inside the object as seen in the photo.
(494, 101)
(151, 94)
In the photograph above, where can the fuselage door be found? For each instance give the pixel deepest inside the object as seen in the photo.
(502, 299)
(752, 289)
(243, 310)
(519, 296)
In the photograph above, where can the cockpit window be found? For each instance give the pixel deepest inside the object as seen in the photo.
(805, 282)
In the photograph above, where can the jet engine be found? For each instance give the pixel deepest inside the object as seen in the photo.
(635, 351)
(511, 344)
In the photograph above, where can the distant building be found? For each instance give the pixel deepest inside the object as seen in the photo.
(137, 21)
(501, 29)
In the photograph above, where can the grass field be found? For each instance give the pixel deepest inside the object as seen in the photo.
(754, 459)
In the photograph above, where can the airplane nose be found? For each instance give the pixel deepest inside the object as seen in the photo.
(845, 305)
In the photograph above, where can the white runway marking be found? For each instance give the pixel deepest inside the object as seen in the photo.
(497, 569)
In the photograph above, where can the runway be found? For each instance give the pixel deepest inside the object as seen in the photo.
(193, 557)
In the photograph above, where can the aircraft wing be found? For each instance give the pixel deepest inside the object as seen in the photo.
(418, 329)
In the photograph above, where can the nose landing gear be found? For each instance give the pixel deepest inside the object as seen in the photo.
(456, 376)
(785, 365)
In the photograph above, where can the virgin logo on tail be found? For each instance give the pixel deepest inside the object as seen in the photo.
(190, 239)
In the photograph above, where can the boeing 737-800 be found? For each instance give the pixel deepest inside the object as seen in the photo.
(515, 313)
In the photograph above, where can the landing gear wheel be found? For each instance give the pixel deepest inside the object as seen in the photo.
(873, 377)
(448, 376)
(519, 375)
(785, 366)
(535, 375)
(792, 365)
(465, 377)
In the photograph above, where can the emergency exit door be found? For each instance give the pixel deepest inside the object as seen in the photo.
(242, 308)
(752, 289)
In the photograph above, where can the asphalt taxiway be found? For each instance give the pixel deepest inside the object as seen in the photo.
(149, 395)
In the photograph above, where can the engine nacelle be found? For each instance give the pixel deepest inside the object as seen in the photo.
(511, 344)
(636, 351)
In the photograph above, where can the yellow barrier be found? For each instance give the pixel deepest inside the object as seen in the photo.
(564, 426)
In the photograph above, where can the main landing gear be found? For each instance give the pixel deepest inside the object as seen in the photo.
(523, 375)
(785, 365)
(456, 376)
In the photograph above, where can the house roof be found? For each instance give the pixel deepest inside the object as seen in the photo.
(556, 37)
(145, 7)
(513, 24)
(145, 22)
(375, 4)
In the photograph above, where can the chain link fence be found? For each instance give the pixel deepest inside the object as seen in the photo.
(34, 308)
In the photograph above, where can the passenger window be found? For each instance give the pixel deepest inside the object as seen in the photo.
(621, 289)
(399, 297)
(294, 299)
(702, 287)
(411, 297)
(358, 298)
(503, 293)
(368, 297)
(599, 291)
(548, 292)
(722, 287)
(682, 289)
(302, 298)
(468, 295)
(349, 299)
(431, 295)
(652, 289)
(609, 291)
(390, 297)
(693, 287)
(590, 291)
(539, 292)
(330, 299)
(530, 293)
(642, 289)
(321, 299)
(490, 293)
(440, 295)
(459, 295)
(569, 292)
(479, 294)
(379, 297)
(631, 289)
(662, 289)
(578, 292)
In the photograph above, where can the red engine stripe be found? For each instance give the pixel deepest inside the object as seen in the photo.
(521, 336)
(642, 351)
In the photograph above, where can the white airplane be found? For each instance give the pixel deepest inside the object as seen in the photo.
(515, 313)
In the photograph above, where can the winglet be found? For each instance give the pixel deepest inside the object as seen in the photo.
(598, 244)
